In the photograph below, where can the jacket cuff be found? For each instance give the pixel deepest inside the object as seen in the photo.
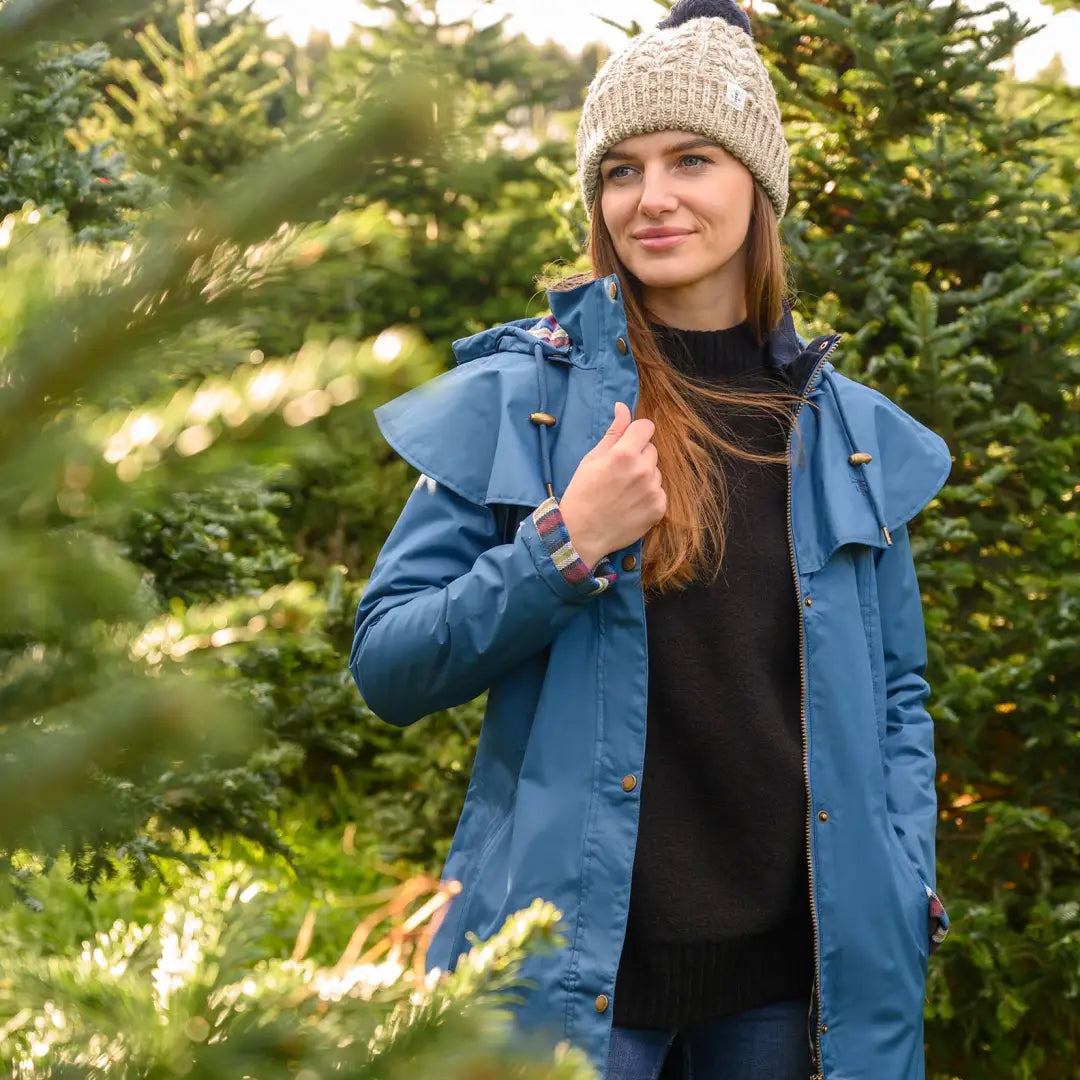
(571, 567)
(939, 920)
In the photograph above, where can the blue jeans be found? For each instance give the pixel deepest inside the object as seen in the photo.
(770, 1043)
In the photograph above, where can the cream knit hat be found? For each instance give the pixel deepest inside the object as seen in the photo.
(698, 71)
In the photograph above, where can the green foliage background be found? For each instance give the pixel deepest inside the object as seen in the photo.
(194, 490)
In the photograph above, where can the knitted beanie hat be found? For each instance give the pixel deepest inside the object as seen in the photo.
(698, 71)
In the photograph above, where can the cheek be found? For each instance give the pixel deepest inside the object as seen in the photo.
(723, 215)
(609, 214)
(615, 207)
(738, 201)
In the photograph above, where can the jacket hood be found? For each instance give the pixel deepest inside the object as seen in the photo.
(518, 336)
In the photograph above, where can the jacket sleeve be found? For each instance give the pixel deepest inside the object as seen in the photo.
(910, 763)
(449, 608)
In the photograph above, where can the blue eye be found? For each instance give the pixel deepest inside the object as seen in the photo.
(616, 172)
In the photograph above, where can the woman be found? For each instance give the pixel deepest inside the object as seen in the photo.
(748, 891)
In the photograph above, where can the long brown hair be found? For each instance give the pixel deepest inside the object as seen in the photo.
(691, 446)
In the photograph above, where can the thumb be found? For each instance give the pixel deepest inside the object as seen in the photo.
(615, 432)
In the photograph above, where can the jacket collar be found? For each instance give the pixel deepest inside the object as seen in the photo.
(586, 318)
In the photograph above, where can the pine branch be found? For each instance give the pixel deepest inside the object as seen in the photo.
(99, 329)
(27, 24)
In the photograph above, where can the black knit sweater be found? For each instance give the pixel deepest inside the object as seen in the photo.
(719, 913)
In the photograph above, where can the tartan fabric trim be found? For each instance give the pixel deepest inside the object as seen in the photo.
(549, 330)
(939, 920)
(552, 531)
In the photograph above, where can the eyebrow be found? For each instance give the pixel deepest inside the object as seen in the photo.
(675, 148)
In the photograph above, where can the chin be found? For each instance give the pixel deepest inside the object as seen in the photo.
(656, 275)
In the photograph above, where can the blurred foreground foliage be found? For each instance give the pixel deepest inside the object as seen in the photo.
(195, 985)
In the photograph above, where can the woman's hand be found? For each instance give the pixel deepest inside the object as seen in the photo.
(616, 494)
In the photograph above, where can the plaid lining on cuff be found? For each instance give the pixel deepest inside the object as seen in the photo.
(552, 531)
(939, 921)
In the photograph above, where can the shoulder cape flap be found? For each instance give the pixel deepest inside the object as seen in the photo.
(831, 503)
(469, 430)
(911, 463)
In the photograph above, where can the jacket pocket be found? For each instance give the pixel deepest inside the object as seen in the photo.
(471, 893)
(866, 584)
(937, 924)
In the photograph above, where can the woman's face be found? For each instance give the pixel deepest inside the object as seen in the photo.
(676, 180)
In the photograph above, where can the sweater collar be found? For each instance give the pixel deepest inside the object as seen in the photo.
(712, 354)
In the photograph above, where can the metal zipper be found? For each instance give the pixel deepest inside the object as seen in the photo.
(816, 1046)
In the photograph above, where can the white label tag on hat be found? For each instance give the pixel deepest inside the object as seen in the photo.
(736, 96)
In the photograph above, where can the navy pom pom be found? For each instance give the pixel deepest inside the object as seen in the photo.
(685, 10)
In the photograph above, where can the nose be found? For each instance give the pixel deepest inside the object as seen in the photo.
(657, 193)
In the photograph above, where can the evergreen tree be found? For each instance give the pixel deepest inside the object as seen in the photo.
(1057, 104)
(108, 419)
(48, 94)
(188, 110)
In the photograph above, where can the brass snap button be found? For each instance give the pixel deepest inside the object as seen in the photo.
(629, 782)
(621, 345)
(823, 815)
(860, 459)
(629, 562)
(613, 291)
(601, 1003)
(809, 601)
(824, 1029)
(544, 418)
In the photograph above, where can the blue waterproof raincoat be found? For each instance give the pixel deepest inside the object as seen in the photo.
(466, 596)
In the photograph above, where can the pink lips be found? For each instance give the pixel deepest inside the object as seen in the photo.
(658, 243)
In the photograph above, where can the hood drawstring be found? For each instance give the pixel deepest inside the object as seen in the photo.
(857, 459)
(543, 419)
